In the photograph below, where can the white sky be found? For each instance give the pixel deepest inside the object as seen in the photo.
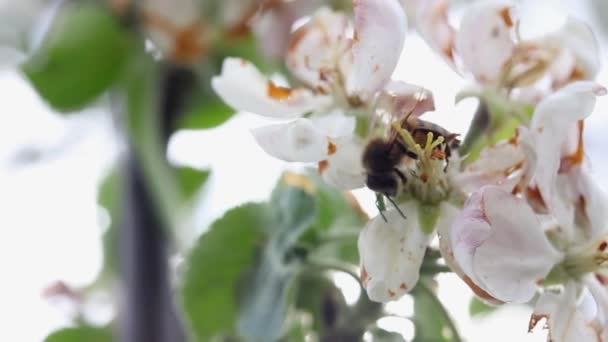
(50, 222)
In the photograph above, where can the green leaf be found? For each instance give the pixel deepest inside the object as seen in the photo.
(210, 112)
(428, 215)
(190, 181)
(479, 308)
(81, 334)
(294, 212)
(216, 264)
(431, 320)
(84, 54)
(265, 303)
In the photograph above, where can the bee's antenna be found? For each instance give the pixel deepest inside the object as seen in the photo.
(396, 207)
(382, 213)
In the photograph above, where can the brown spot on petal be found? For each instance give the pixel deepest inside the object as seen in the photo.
(187, 41)
(424, 177)
(403, 286)
(296, 38)
(364, 276)
(505, 15)
(331, 148)
(534, 319)
(576, 158)
(391, 293)
(602, 279)
(602, 247)
(577, 74)
(323, 165)
(278, 92)
(188, 47)
(535, 199)
(376, 68)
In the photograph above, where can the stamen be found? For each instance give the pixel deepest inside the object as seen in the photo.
(408, 139)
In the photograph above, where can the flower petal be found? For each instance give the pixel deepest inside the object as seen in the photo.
(380, 27)
(499, 244)
(400, 99)
(391, 253)
(298, 140)
(499, 165)
(576, 40)
(566, 323)
(552, 119)
(433, 25)
(343, 168)
(315, 48)
(244, 88)
(335, 124)
(484, 40)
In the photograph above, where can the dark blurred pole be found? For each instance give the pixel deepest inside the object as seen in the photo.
(150, 313)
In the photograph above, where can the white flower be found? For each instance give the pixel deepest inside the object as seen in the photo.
(175, 28)
(391, 253)
(488, 45)
(550, 143)
(344, 69)
(484, 41)
(569, 319)
(392, 248)
(498, 243)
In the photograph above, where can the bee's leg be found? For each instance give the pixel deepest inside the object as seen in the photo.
(396, 207)
(380, 205)
(400, 174)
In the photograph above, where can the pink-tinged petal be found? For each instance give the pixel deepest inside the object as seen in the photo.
(565, 321)
(343, 168)
(552, 119)
(500, 165)
(272, 28)
(401, 99)
(448, 215)
(298, 141)
(380, 27)
(499, 244)
(433, 25)
(315, 48)
(244, 88)
(484, 41)
(599, 294)
(391, 253)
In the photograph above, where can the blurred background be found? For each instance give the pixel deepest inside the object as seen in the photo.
(51, 168)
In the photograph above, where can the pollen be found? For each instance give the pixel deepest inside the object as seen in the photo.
(278, 92)
(331, 148)
(506, 16)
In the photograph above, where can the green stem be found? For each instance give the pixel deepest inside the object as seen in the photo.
(479, 125)
(424, 287)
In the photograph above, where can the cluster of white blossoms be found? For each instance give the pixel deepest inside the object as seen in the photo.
(524, 218)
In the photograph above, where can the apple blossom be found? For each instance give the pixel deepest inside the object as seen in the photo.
(343, 68)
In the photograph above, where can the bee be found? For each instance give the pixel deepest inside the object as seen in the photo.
(419, 129)
(382, 157)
